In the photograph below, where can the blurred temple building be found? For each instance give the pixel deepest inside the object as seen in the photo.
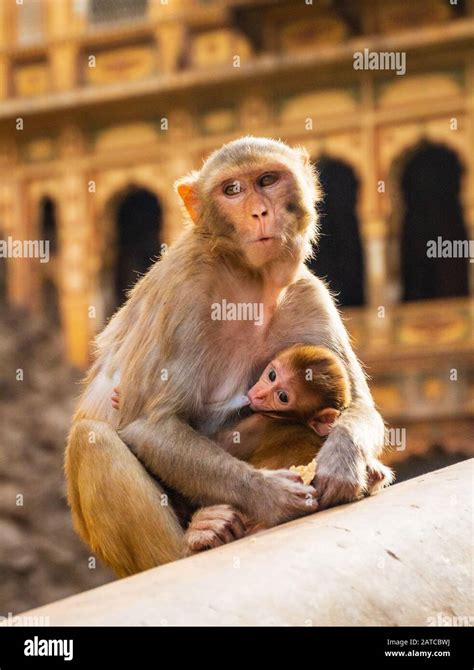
(104, 103)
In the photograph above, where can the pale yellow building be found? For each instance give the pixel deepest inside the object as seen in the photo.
(104, 103)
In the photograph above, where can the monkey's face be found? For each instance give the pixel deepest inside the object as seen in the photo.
(279, 393)
(254, 198)
(275, 391)
(259, 203)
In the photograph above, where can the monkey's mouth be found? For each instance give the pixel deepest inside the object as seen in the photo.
(265, 240)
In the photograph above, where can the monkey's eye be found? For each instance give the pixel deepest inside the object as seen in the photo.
(232, 188)
(282, 397)
(267, 179)
(272, 375)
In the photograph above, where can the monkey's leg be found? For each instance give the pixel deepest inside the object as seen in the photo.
(219, 524)
(117, 508)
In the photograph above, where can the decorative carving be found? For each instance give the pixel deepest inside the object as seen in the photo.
(126, 135)
(317, 103)
(219, 121)
(432, 328)
(219, 47)
(40, 149)
(397, 14)
(120, 64)
(344, 146)
(9, 151)
(403, 90)
(325, 28)
(398, 140)
(71, 141)
(31, 79)
(181, 124)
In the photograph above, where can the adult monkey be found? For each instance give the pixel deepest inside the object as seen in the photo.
(253, 211)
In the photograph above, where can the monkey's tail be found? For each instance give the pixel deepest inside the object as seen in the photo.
(118, 509)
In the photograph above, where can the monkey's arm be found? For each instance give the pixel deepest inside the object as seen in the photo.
(197, 467)
(358, 435)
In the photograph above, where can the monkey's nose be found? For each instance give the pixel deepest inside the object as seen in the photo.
(259, 215)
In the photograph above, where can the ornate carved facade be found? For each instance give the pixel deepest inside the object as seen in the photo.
(101, 100)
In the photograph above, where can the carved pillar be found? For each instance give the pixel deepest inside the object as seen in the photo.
(75, 235)
(6, 19)
(374, 230)
(20, 271)
(169, 37)
(374, 226)
(15, 221)
(63, 55)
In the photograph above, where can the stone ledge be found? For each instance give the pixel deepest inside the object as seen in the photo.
(402, 557)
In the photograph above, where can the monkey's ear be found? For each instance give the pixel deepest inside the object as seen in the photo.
(303, 154)
(187, 191)
(322, 422)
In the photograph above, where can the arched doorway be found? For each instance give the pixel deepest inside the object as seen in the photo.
(338, 256)
(133, 245)
(48, 232)
(430, 183)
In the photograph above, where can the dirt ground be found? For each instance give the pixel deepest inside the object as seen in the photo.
(41, 558)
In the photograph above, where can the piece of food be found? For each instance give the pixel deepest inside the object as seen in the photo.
(306, 472)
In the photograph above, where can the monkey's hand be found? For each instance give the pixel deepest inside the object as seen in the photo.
(343, 464)
(213, 526)
(283, 497)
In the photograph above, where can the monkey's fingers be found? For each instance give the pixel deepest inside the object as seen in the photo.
(307, 499)
(289, 474)
(331, 491)
(213, 526)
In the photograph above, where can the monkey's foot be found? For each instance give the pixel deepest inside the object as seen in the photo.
(378, 476)
(212, 527)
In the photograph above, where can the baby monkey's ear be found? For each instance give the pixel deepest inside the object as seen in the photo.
(322, 422)
(186, 188)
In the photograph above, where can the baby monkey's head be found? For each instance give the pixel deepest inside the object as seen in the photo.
(303, 383)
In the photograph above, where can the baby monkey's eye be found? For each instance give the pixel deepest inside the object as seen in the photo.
(233, 188)
(267, 179)
(282, 397)
(272, 375)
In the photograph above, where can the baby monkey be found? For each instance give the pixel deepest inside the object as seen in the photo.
(295, 402)
(298, 397)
